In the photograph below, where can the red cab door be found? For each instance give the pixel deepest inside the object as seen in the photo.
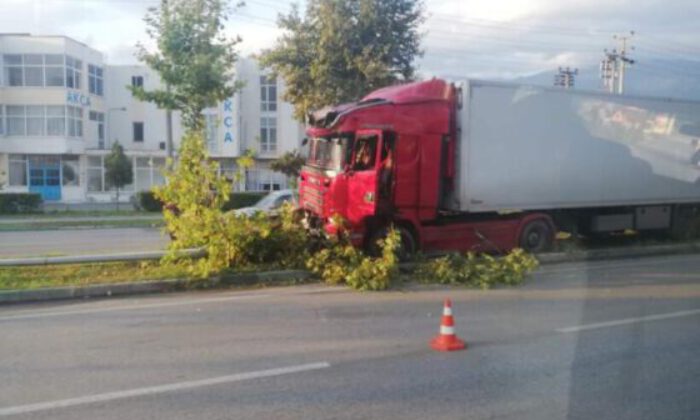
(362, 175)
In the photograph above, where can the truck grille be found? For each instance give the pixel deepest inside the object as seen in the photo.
(313, 200)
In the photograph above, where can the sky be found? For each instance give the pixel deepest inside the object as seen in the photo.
(478, 38)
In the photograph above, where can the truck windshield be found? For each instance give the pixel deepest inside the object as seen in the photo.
(327, 153)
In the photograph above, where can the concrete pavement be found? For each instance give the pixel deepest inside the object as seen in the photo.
(80, 241)
(318, 352)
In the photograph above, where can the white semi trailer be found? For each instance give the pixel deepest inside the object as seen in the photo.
(525, 148)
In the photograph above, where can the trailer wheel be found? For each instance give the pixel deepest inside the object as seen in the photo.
(407, 248)
(536, 236)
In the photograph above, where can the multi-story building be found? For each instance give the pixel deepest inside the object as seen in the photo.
(62, 108)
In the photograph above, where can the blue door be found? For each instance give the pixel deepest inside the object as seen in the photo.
(45, 177)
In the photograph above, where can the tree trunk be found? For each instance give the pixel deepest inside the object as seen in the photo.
(117, 198)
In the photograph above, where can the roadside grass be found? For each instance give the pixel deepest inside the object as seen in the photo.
(33, 277)
(440, 271)
(55, 214)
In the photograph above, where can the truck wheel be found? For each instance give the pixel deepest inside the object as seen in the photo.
(536, 236)
(407, 248)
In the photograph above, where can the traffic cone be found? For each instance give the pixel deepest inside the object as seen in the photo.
(447, 340)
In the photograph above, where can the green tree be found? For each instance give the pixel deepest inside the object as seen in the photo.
(193, 197)
(289, 164)
(340, 50)
(118, 169)
(194, 58)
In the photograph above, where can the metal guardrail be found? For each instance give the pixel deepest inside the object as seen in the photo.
(80, 259)
(548, 258)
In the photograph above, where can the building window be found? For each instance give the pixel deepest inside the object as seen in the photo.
(74, 69)
(148, 173)
(36, 120)
(56, 120)
(211, 123)
(95, 176)
(95, 80)
(38, 70)
(137, 81)
(264, 180)
(70, 167)
(13, 70)
(75, 121)
(55, 70)
(33, 70)
(142, 173)
(96, 182)
(268, 135)
(158, 167)
(228, 169)
(99, 119)
(16, 120)
(40, 120)
(138, 132)
(18, 170)
(268, 93)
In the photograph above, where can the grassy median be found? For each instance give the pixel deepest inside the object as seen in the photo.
(34, 277)
(67, 224)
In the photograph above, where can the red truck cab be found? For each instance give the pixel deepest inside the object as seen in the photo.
(388, 160)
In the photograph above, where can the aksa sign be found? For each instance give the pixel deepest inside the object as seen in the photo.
(77, 98)
(228, 121)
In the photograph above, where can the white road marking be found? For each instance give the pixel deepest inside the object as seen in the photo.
(627, 321)
(159, 389)
(178, 302)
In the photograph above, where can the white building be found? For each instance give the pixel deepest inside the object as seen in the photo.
(62, 107)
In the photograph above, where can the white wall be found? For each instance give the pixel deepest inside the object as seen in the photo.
(22, 44)
(120, 123)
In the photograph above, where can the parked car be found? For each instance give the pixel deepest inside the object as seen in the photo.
(270, 203)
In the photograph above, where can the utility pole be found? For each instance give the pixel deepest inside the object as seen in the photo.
(168, 112)
(169, 129)
(565, 78)
(608, 71)
(623, 59)
(613, 65)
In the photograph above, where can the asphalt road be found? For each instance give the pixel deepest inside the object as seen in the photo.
(601, 340)
(80, 241)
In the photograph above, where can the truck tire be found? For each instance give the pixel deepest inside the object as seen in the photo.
(407, 248)
(536, 236)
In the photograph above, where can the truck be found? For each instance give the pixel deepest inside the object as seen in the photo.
(473, 165)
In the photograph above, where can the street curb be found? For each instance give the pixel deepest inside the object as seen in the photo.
(163, 286)
(619, 253)
(597, 254)
(158, 286)
(92, 291)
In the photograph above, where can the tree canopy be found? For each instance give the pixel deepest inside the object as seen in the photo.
(340, 50)
(194, 58)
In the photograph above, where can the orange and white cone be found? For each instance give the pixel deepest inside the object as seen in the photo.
(447, 339)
